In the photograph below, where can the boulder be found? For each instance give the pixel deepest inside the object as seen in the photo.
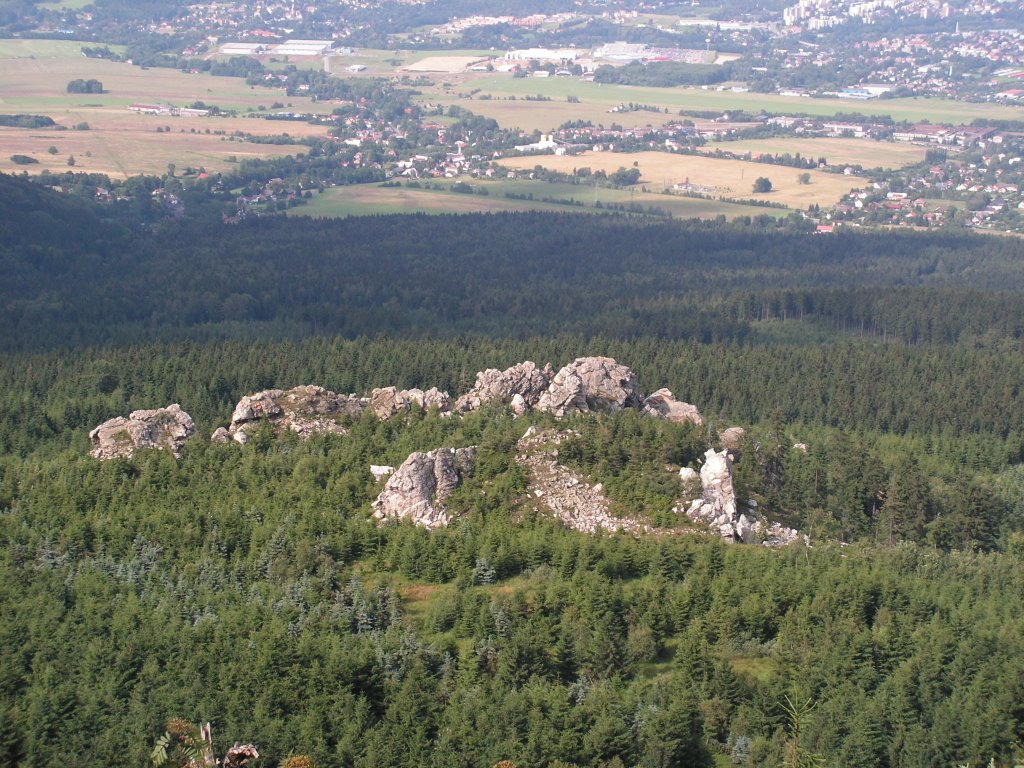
(418, 488)
(163, 428)
(380, 471)
(591, 384)
(305, 410)
(688, 476)
(524, 381)
(663, 404)
(732, 439)
(262, 405)
(390, 401)
(220, 436)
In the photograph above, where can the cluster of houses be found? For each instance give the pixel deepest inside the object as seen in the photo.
(986, 185)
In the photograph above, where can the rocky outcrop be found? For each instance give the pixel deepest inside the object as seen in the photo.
(591, 384)
(520, 387)
(391, 401)
(418, 488)
(663, 404)
(717, 505)
(717, 508)
(164, 428)
(305, 410)
(564, 493)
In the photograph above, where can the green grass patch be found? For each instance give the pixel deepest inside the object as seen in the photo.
(368, 199)
(913, 109)
(48, 49)
(756, 667)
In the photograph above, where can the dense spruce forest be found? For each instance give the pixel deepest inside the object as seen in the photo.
(248, 586)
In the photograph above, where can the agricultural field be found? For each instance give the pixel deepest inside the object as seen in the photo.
(443, 64)
(596, 99)
(729, 178)
(33, 78)
(370, 199)
(866, 153)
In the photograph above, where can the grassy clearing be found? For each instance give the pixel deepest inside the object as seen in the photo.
(33, 78)
(65, 5)
(367, 199)
(678, 206)
(864, 152)
(596, 99)
(756, 667)
(730, 178)
(46, 49)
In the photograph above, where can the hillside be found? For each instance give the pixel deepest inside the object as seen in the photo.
(450, 491)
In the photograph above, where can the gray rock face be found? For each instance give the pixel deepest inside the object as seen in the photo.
(591, 384)
(520, 386)
(664, 404)
(163, 428)
(418, 488)
(391, 401)
(305, 410)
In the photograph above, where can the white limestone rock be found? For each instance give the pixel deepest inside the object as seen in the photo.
(163, 428)
(391, 401)
(380, 471)
(418, 488)
(591, 384)
(663, 404)
(305, 410)
(519, 386)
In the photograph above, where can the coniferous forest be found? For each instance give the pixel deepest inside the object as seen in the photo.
(247, 586)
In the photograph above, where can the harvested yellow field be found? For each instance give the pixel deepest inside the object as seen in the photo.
(725, 178)
(123, 152)
(33, 80)
(866, 153)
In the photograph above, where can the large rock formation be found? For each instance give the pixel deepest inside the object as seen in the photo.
(164, 428)
(390, 401)
(418, 488)
(591, 384)
(717, 505)
(564, 493)
(305, 410)
(664, 404)
(520, 386)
